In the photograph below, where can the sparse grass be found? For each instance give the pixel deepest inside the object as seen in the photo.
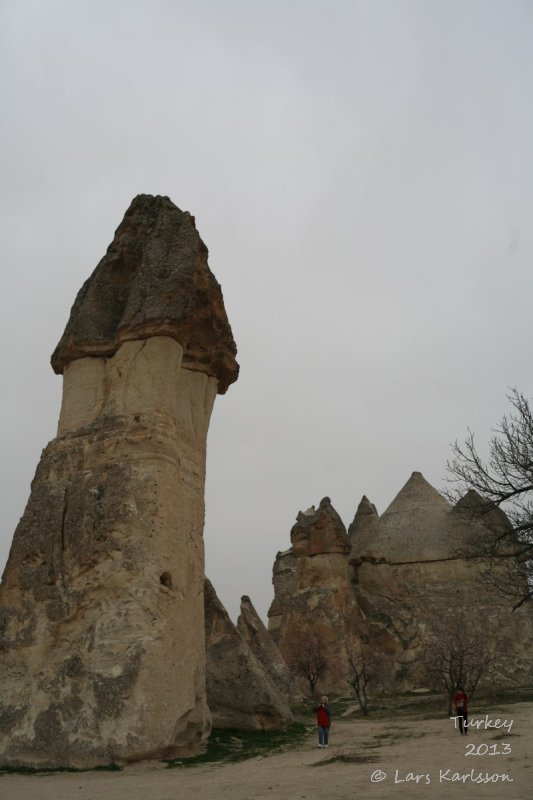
(416, 706)
(236, 745)
(381, 708)
(50, 770)
(378, 737)
(347, 757)
(503, 735)
(486, 699)
(226, 746)
(392, 736)
(384, 707)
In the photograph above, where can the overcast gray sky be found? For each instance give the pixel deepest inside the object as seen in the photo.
(362, 175)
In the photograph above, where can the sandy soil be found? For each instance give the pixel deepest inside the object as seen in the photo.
(426, 747)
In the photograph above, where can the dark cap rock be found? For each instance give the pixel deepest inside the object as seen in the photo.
(154, 280)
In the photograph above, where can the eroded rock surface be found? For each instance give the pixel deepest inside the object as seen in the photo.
(318, 532)
(285, 580)
(102, 651)
(154, 280)
(262, 645)
(317, 601)
(364, 526)
(411, 575)
(415, 526)
(406, 574)
(240, 692)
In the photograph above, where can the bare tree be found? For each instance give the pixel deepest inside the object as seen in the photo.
(361, 670)
(502, 483)
(455, 655)
(308, 658)
(366, 669)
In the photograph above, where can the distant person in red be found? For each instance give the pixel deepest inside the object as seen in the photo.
(323, 720)
(460, 701)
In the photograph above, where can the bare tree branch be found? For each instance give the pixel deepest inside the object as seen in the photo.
(308, 658)
(503, 483)
(456, 655)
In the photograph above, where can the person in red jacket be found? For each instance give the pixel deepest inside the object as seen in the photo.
(323, 720)
(460, 701)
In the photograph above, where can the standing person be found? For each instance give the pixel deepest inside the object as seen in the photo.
(323, 720)
(460, 701)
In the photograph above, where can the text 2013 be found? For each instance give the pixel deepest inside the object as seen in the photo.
(502, 749)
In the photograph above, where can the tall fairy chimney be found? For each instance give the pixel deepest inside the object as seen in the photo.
(101, 603)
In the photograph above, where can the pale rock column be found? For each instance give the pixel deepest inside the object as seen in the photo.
(102, 648)
(321, 604)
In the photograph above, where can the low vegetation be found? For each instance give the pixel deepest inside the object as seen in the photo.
(415, 705)
(225, 746)
(48, 770)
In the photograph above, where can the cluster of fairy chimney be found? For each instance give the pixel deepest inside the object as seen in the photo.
(113, 645)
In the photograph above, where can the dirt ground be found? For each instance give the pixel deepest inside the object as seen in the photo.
(365, 759)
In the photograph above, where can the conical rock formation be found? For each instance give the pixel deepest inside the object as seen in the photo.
(414, 526)
(409, 573)
(364, 527)
(240, 692)
(262, 645)
(102, 653)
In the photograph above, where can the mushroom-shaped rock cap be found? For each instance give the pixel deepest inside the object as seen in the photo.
(415, 527)
(154, 280)
(320, 531)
